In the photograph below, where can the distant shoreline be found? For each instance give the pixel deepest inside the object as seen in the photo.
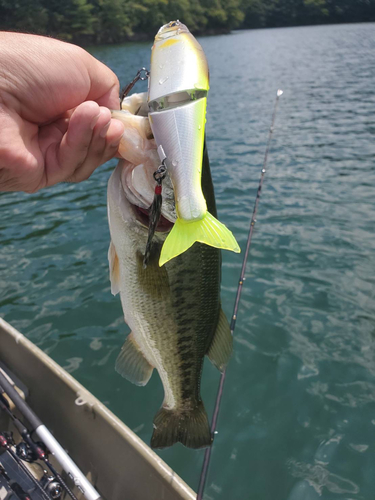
(107, 22)
(92, 40)
(142, 37)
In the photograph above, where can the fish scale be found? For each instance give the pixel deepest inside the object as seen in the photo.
(195, 293)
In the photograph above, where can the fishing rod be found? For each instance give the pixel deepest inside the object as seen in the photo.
(36, 451)
(50, 442)
(6, 443)
(13, 485)
(207, 454)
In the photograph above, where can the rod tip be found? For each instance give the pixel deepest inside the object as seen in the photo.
(279, 92)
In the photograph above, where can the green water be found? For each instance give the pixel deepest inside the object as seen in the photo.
(298, 414)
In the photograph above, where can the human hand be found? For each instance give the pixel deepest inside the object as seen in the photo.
(55, 124)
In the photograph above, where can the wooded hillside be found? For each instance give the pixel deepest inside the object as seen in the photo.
(110, 21)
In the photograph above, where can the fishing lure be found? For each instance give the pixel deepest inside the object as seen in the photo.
(177, 100)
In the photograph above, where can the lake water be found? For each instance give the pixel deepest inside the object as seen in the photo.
(298, 414)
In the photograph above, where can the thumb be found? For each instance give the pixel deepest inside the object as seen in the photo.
(105, 87)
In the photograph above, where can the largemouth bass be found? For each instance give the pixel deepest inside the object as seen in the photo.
(171, 298)
(173, 311)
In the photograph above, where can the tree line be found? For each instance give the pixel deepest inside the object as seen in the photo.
(278, 13)
(112, 21)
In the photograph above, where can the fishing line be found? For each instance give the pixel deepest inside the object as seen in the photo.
(207, 454)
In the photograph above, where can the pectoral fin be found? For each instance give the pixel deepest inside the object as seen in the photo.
(221, 346)
(114, 269)
(132, 365)
(207, 230)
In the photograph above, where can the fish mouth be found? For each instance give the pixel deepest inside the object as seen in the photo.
(143, 216)
(138, 186)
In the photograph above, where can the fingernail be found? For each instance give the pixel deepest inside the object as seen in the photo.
(105, 129)
(94, 120)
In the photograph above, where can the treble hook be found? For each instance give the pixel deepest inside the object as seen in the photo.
(139, 76)
(155, 209)
(160, 173)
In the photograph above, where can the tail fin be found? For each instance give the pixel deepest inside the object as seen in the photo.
(207, 230)
(189, 427)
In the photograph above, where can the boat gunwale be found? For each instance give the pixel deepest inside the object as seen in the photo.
(161, 469)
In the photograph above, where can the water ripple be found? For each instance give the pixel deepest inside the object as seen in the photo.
(297, 420)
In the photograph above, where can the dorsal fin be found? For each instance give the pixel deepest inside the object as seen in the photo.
(221, 346)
